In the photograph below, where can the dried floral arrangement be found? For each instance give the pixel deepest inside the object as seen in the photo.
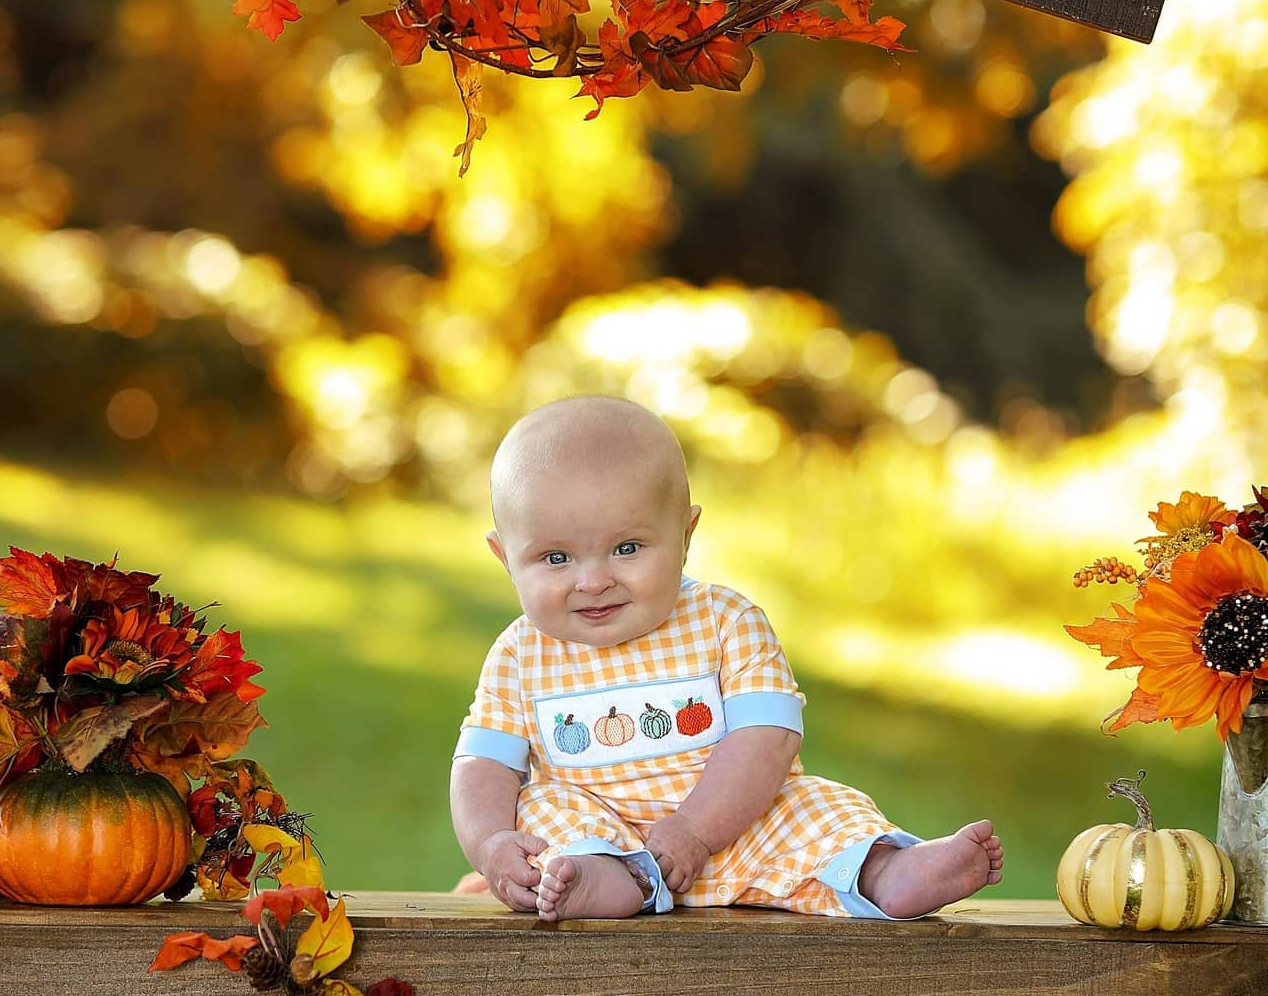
(1198, 625)
(100, 674)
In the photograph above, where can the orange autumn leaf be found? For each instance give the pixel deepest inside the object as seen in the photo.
(27, 585)
(406, 43)
(217, 728)
(1141, 707)
(267, 16)
(327, 941)
(337, 987)
(469, 76)
(285, 902)
(1112, 636)
(180, 948)
(19, 744)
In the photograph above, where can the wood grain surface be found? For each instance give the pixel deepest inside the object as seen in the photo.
(1135, 19)
(449, 945)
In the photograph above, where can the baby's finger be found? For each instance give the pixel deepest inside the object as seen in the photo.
(520, 899)
(531, 844)
(525, 875)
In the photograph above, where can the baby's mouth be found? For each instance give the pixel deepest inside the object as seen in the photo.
(599, 611)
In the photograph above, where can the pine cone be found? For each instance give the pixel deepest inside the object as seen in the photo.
(182, 887)
(264, 970)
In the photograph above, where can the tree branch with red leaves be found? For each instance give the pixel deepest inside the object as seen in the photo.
(676, 44)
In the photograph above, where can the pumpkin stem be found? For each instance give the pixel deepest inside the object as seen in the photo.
(1129, 788)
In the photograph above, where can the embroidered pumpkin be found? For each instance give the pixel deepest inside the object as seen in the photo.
(614, 729)
(655, 723)
(97, 839)
(570, 737)
(695, 717)
(1141, 878)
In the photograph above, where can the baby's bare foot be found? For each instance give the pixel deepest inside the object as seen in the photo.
(582, 886)
(913, 881)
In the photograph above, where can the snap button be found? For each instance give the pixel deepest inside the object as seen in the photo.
(843, 873)
(786, 888)
(724, 891)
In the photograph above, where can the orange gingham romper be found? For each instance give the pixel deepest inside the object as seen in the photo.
(614, 738)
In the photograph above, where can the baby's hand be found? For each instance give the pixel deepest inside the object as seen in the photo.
(503, 861)
(676, 845)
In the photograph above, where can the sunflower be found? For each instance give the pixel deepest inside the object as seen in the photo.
(132, 647)
(1202, 636)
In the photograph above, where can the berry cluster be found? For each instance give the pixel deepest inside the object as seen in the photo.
(1105, 570)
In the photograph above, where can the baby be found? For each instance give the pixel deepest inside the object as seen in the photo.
(634, 734)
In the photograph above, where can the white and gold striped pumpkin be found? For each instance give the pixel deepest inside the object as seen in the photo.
(1141, 878)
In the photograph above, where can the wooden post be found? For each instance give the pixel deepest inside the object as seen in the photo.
(1134, 19)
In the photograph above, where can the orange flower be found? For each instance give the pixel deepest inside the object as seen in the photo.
(131, 647)
(1202, 636)
(1191, 511)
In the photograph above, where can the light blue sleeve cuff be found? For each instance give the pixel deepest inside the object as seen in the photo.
(661, 900)
(506, 748)
(763, 709)
(842, 874)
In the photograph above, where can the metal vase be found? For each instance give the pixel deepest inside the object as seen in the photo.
(1242, 828)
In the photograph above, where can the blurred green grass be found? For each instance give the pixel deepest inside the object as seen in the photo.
(371, 620)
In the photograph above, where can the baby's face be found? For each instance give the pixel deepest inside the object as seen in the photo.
(596, 561)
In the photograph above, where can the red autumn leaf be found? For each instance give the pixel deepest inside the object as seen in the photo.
(622, 74)
(267, 16)
(206, 812)
(285, 902)
(720, 62)
(28, 586)
(102, 583)
(884, 33)
(407, 43)
(180, 948)
(1112, 636)
(667, 19)
(1141, 707)
(219, 665)
(469, 76)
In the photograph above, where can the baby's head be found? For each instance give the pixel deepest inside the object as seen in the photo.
(593, 518)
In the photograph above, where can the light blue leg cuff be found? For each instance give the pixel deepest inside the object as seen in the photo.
(661, 900)
(841, 874)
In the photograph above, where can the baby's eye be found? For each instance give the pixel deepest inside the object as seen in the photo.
(627, 548)
(555, 558)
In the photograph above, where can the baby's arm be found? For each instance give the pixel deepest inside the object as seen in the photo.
(739, 783)
(482, 795)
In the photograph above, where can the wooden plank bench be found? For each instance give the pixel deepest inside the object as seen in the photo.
(449, 945)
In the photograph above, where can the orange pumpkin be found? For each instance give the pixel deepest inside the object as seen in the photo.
(94, 839)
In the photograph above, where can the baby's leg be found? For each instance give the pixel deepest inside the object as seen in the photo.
(912, 881)
(580, 886)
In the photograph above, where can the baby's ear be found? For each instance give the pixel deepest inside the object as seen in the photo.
(495, 545)
(693, 517)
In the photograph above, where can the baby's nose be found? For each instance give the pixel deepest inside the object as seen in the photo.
(592, 581)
